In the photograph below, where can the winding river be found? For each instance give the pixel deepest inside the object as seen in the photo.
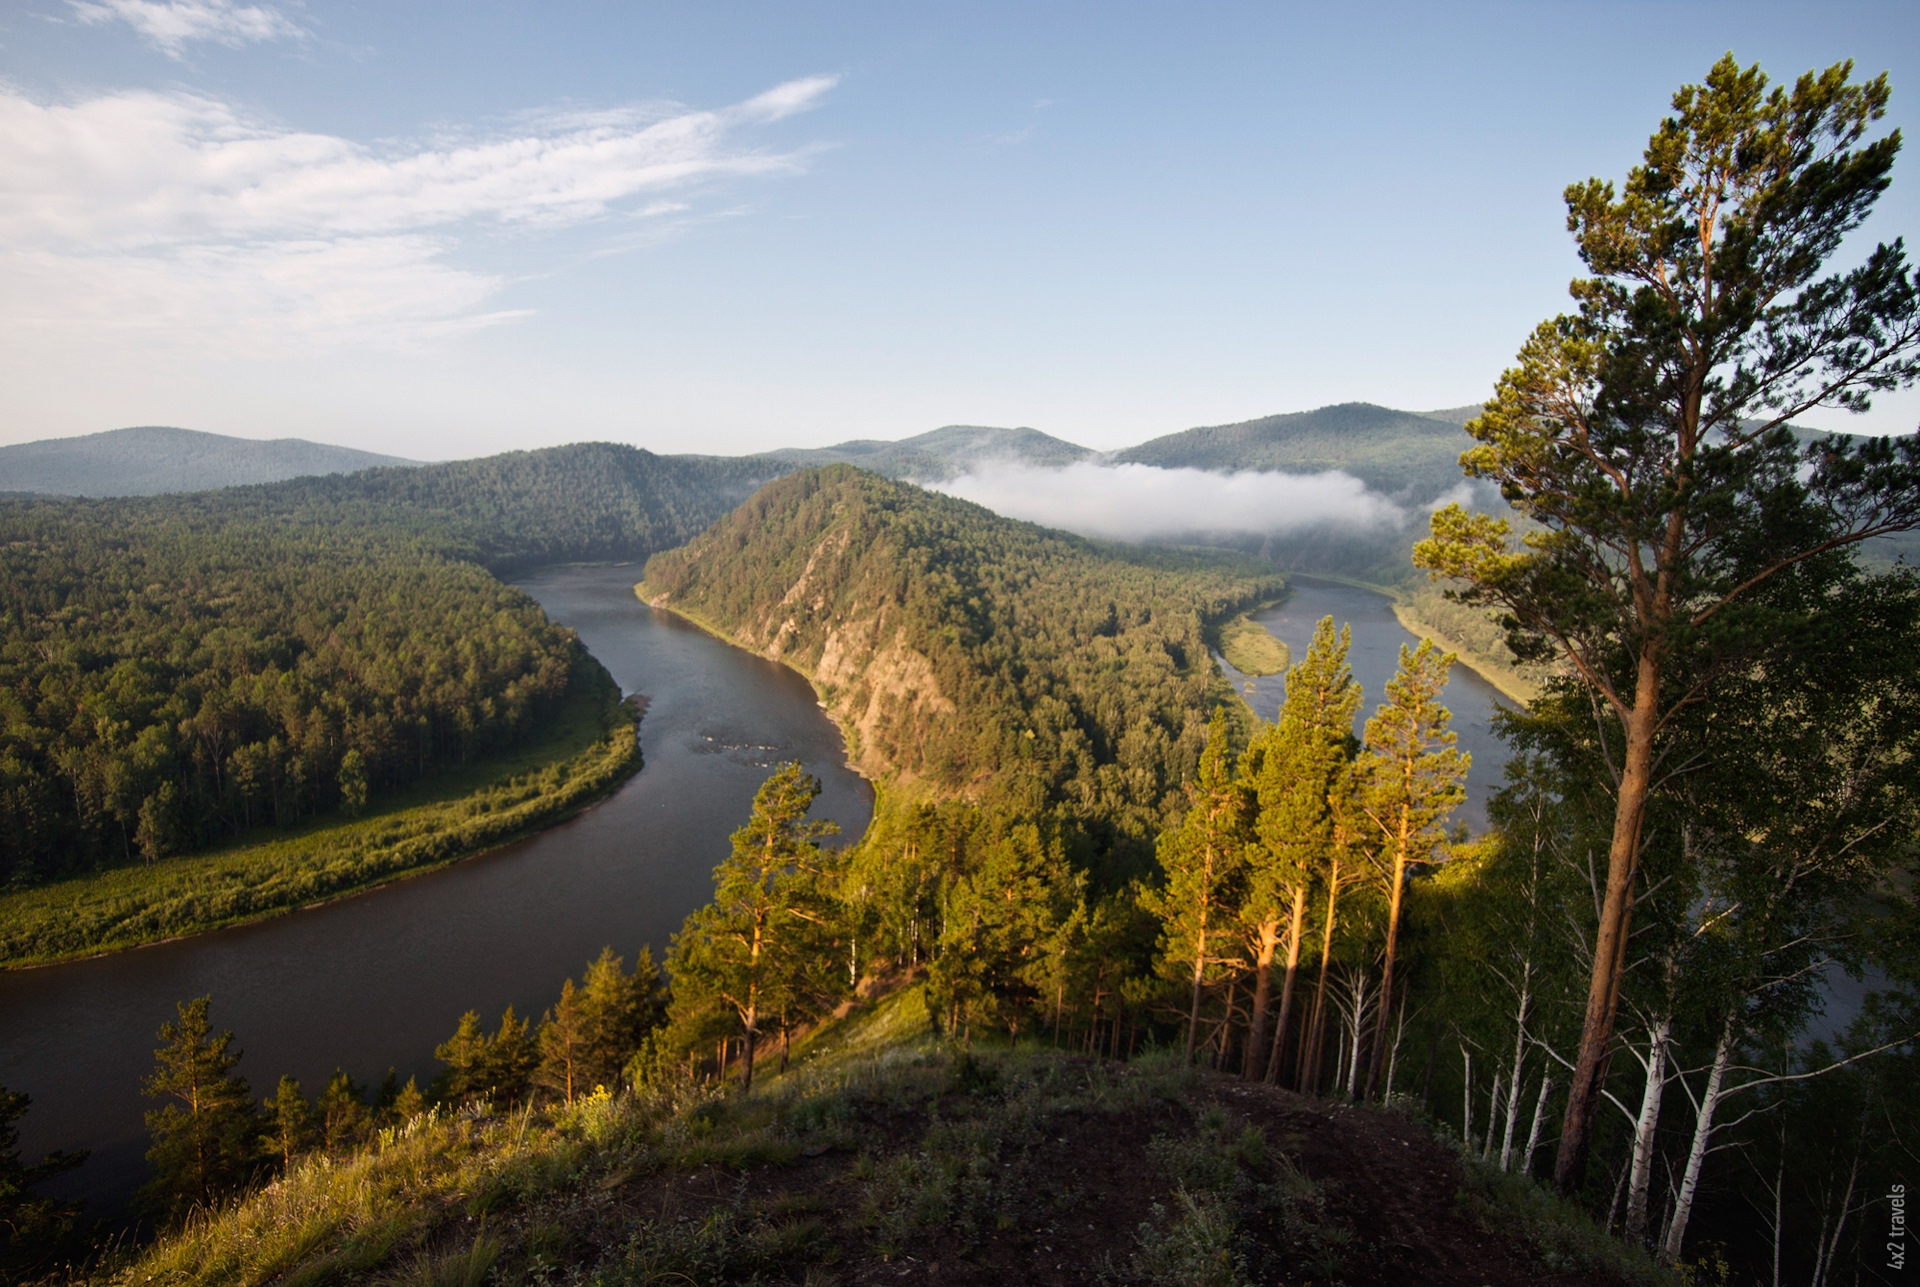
(375, 981)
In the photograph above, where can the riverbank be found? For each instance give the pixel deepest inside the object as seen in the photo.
(589, 746)
(1424, 613)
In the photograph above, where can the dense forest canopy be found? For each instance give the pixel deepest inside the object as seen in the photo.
(177, 669)
(971, 654)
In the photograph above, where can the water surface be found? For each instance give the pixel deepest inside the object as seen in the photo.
(377, 980)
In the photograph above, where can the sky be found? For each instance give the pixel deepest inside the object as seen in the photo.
(439, 230)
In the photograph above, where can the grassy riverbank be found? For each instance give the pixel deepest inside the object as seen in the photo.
(587, 747)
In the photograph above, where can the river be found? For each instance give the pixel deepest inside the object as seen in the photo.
(375, 981)
(1374, 656)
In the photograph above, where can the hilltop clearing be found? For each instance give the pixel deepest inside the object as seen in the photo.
(895, 1159)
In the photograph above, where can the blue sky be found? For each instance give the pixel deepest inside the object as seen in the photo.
(441, 230)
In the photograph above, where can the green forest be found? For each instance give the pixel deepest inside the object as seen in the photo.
(1236, 994)
(1029, 672)
(179, 671)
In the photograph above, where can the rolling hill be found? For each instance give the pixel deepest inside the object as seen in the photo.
(152, 459)
(1397, 452)
(971, 654)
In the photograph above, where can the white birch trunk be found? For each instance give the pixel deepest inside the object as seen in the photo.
(1702, 1133)
(1641, 1178)
(1466, 1100)
(1533, 1132)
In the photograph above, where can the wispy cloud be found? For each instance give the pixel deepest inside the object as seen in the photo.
(1146, 503)
(170, 25)
(180, 212)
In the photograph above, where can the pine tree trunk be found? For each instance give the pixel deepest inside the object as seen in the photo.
(1295, 929)
(1378, 1063)
(1199, 975)
(1610, 943)
(1254, 1065)
(1316, 1027)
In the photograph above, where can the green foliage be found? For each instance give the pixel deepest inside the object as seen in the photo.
(204, 1134)
(589, 747)
(967, 655)
(177, 670)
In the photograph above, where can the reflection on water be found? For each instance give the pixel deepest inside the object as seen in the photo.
(376, 981)
(1374, 656)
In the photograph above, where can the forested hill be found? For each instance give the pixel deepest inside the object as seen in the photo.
(1391, 451)
(152, 459)
(175, 670)
(590, 500)
(968, 654)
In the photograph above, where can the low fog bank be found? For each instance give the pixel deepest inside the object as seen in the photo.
(1142, 503)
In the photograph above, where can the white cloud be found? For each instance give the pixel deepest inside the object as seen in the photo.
(178, 213)
(169, 25)
(1144, 502)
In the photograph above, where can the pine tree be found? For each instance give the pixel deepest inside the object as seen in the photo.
(619, 1009)
(1203, 860)
(510, 1060)
(1647, 439)
(465, 1057)
(746, 946)
(202, 1139)
(342, 1110)
(30, 1225)
(408, 1104)
(1298, 771)
(290, 1119)
(1410, 777)
(564, 1038)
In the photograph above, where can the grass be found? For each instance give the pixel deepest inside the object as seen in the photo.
(1252, 648)
(586, 748)
(884, 1152)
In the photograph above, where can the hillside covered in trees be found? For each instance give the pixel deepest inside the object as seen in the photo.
(972, 656)
(175, 670)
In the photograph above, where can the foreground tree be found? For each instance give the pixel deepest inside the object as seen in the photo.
(1411, 777)
(204, 1135)
(1299, 772)
(1203, 859)
(1646, 434)
(29, 1223)
(747, 947)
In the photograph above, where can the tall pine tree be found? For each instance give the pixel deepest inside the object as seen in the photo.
(204, 1134)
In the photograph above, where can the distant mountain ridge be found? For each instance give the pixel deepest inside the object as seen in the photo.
(940, 454)
(1397, 452)
(148, 460)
